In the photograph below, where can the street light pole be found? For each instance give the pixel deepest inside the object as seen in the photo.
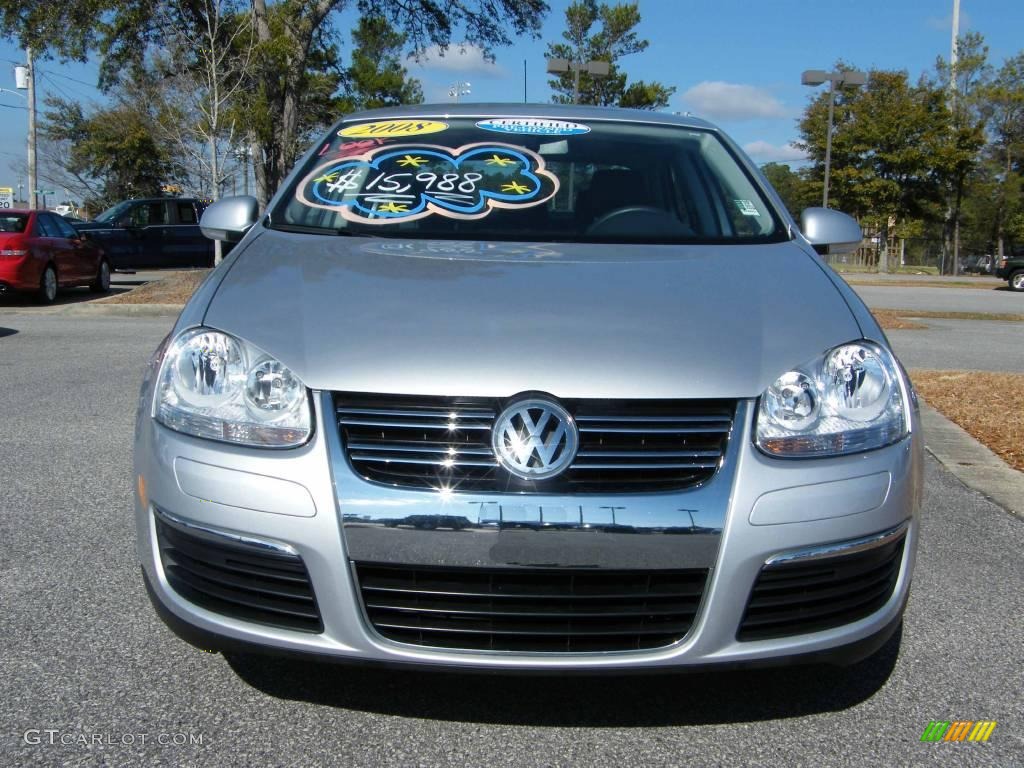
(459, 89)
(593, 68)
(828, 139)
(816, 77)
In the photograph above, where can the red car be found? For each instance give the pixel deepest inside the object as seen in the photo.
(40, 252)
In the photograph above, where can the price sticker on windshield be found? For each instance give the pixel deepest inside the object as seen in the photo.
(400, 183)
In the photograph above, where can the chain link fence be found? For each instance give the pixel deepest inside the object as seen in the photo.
(911, 254)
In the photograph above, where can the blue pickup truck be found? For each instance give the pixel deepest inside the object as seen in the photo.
(151, 233)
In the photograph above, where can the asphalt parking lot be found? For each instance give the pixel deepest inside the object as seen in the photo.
(970, 345)
(999, 299)
(84, 657)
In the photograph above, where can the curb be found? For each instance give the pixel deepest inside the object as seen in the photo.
(972, 463)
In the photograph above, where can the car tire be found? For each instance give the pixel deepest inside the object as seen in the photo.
(47, 292)
(1016, 280)
(102, 282)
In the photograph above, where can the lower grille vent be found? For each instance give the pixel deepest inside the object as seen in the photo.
(564, 611)
(799, 597)
(238, 580)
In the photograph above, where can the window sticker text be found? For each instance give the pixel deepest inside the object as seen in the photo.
(389, 128)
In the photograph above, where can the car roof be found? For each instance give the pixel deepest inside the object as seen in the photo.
(542, 111)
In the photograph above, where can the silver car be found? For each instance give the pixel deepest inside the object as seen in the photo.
(528, 388)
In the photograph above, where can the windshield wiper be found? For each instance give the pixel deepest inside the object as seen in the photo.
(306, 230)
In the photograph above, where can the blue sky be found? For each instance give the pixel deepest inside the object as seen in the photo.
(735, 62)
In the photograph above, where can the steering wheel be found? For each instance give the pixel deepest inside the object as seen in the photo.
(633, 219)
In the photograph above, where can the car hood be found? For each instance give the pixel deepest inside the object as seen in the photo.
(495, 319)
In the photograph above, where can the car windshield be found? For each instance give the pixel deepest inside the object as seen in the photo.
(527, 179)
(13, 222)
(112, 213)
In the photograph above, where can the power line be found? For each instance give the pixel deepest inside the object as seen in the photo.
(56, 85)
(73, 79)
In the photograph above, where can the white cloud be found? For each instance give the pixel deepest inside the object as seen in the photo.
(732, 101)
(464, 59)
(766, 152)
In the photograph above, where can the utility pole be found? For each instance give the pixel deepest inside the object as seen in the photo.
(33, 180)
(953, 55)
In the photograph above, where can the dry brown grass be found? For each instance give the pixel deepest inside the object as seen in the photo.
(893, 320)
(982, 286)
(990, 406)
(172, 288)
(900, 319)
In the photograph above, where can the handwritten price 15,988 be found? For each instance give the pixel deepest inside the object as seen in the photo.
(397, 182)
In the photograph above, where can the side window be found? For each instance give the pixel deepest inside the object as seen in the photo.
(157, 213)
(148, 214)
(137, 216)
(186, 213)
(66, 230)
(45, 226)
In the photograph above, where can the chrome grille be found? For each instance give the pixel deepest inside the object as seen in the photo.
(507, 609)
(625, 445)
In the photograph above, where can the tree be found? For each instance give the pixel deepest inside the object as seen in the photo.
(111, 149)
(900, 129)
(885, 149)
(615, 38)
(1005, 102)
(792, 188)
(291, 64)
(965, 87)
(376, 77)
(200, 71)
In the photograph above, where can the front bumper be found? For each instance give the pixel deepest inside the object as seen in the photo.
(298, 498)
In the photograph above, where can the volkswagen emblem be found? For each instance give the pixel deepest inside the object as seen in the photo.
(535, 439)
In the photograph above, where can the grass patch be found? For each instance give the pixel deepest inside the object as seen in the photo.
(989, 406)
(855, 269)
(172, 288)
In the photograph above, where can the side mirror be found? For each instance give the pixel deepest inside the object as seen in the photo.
(830, 231)
(230, 218)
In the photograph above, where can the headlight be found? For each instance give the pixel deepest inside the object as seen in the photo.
(849, 400)
(215, 386)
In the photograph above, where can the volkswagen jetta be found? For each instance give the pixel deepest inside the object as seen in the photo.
(541, 388)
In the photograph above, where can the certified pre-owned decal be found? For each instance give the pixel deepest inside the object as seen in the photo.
(405, 182)
(533, 126)
(385, 129)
